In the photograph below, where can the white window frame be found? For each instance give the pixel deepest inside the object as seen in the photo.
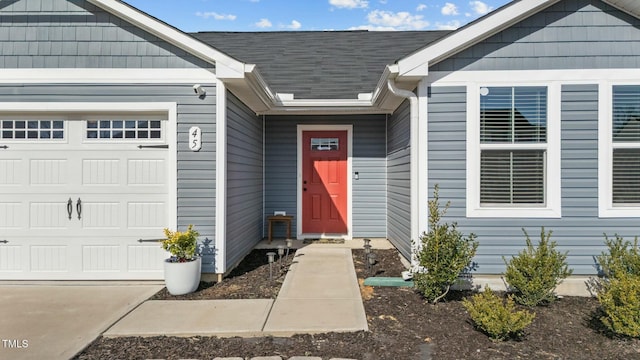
(606, 208)
(552, 207)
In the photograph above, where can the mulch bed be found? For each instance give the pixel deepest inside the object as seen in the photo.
(253, 278)
(402, 326)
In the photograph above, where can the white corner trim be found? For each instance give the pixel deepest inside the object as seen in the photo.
(553, 198)
(423, 158)
(300, 129)
(221, 178)
(169, 34)
(606, 209)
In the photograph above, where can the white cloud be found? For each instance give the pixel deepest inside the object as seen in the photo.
(215, 15)
(350, 4)
(449, 9)
(293, 26)
(263, 23)
(479, 7)
(421, 7)
(397, 21)
(450, 25)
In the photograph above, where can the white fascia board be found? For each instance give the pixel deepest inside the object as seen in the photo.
(88, 107)
(632, 7)
(252, 89)
(472, 34)
(170, 34)
(105, 76)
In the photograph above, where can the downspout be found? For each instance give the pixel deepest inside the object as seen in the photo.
(414, 158)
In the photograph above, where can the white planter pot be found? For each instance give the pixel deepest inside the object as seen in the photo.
(182, 278)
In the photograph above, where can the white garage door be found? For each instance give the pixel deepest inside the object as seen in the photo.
(76, 195)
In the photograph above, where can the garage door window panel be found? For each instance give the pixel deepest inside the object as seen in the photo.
(124, 129)
(33, 129)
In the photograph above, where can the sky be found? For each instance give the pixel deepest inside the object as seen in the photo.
(318, 15)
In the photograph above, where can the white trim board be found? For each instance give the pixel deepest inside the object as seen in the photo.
(105, 76)
(349, 130)
(221, 179)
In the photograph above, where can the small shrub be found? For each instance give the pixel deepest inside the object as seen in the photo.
(536, 271)
(497, 318)
(620, 302)
(181, 245)
(619, 291)
(443, 253)
(623, 257)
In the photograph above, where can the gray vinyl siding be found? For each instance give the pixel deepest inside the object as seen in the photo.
(399, 179)
(196, 170)
(244, 180)
(572, 34)
(76, 34)
(369, 159)
(579, 231)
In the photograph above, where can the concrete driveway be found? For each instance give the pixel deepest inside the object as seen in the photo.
(57, 321)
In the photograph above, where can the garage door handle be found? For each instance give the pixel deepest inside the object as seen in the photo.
(4, 147)
(4, 241)
(153, 146)
(79, 208)
(69, 207)
(150, 240)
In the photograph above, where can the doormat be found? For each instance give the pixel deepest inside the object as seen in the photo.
(323, 241)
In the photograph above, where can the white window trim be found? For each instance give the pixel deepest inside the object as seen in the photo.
(553, 206)
(606, 209)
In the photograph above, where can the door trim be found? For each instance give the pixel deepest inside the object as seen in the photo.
(349, 130)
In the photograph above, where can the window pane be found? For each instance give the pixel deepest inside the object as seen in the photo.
(626, 176)
(513, 114)
(325, 144)
(626, 113)
(512, 177)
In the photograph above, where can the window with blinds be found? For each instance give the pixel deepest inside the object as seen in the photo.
(513, 145)
(626, 145)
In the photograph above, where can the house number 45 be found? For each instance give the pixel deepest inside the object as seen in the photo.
(195, 138)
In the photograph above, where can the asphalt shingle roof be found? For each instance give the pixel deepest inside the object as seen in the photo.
(320, 64)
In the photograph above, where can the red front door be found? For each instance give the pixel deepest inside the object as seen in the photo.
(324, 182)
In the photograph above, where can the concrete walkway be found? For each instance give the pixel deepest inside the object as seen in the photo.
(320, 293)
